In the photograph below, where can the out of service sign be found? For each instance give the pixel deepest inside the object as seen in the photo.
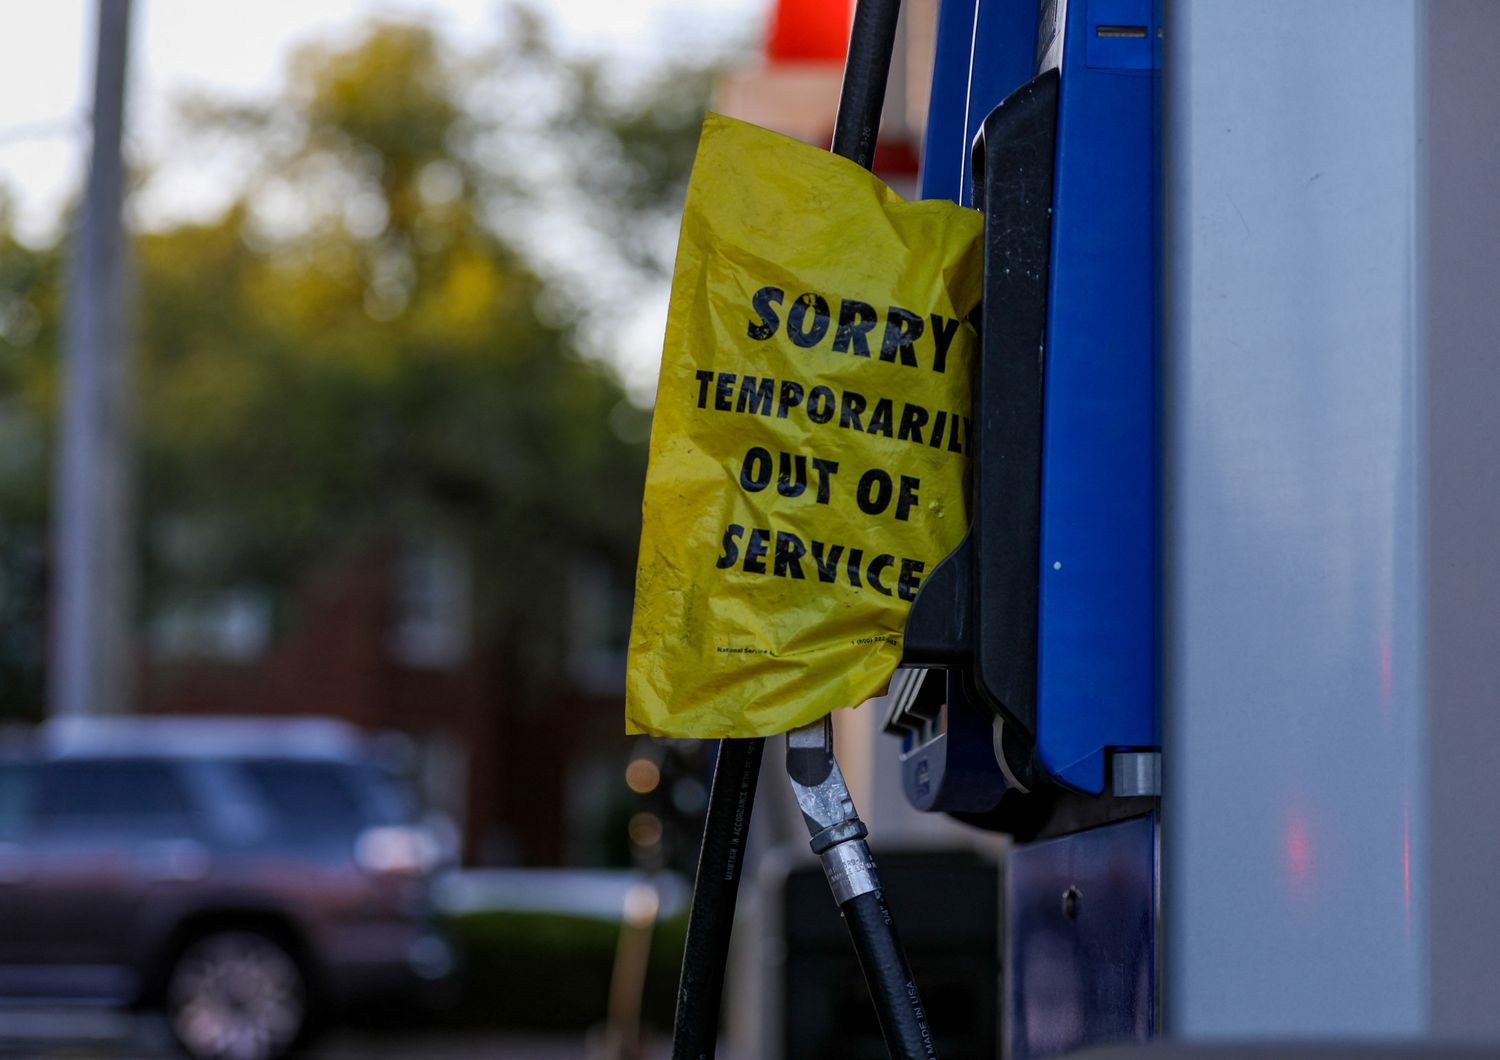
(811, 438)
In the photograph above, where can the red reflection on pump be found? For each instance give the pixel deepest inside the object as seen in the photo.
(1297, 852)
(1406, 860)
(1387, 680)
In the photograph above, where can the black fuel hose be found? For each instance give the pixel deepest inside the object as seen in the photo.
(720, 859)
(903, 1021)
(892, 988)
(700, 990)
(862, 95)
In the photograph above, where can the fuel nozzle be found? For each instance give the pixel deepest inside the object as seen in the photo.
(838, 835)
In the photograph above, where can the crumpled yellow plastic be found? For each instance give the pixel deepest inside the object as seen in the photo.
(809, 448)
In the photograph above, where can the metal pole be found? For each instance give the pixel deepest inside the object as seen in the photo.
(90, 657)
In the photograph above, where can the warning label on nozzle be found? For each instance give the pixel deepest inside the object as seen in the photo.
(809, 451)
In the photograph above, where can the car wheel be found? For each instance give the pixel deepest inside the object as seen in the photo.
(236, 995)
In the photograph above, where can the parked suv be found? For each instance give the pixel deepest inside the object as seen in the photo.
(244, 875)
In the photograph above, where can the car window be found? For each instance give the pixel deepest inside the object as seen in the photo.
(16, 791)
(118, 795)
(307, 798)
(388, 797)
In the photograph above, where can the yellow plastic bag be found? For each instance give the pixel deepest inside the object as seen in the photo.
(811, 436)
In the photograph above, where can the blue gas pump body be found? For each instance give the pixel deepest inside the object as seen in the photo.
(1097, 644)
(1097, 607)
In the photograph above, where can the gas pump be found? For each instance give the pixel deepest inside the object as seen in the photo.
(1327, 652)
(1031, 702)
(1044, 621)
(1327, 656)
(1027, 702)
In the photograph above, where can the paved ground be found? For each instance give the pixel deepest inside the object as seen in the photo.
(86, 1034)
(355, 1046)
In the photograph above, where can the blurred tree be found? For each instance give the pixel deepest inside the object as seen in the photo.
(375, 345)
(351, 356)
(30, 285)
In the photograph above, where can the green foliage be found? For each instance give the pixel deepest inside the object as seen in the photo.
(373, 368)
(30, 282)
(29, 285)
(549, 971)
